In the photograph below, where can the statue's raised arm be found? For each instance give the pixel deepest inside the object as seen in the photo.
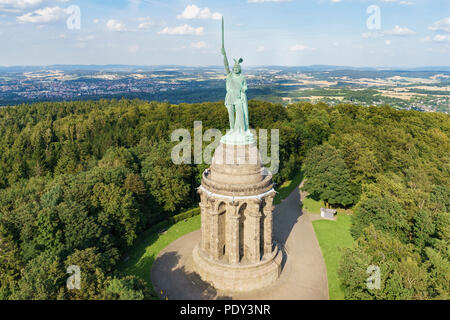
(236, 102)
(225, 59)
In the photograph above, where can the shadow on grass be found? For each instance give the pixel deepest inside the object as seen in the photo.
(143, 254)
(137, 264)
(176, 283)
(286, 189)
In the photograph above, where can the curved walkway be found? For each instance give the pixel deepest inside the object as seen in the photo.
(303, 276)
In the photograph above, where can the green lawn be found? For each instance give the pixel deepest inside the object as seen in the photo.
(332, 236)
(150, 243)
(313, 206)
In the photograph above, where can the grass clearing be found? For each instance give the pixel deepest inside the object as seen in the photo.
(313, 206)
(333, 236)
(150, 244)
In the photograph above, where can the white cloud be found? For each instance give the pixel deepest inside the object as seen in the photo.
(401, 2)
(80, 45)
(194, 12)
(262, 1)
(114, 25)
(396, 31)
(441, 25)
(388, 42)
(96, 21)
(19, 5)
(300, 47)
(437, 38)
(182, 30)
(82, 41)
(372, 34)
(441, 38)
(260, 49)
(199, 45)
(438, 50)
(145, 23)
(86, 38)
(45, 15)
(133, 48)
(399, 31)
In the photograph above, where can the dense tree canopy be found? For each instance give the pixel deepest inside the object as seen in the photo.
(394, 165)
(79, 181)
(327, 176)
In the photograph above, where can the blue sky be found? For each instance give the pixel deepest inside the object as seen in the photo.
(262, 32)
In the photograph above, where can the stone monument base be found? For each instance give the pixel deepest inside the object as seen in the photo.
(239, 277)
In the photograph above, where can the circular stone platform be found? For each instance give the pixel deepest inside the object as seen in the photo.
(242, 277)
(303, 275)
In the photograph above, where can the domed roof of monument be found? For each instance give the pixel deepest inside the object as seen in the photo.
(237, 171)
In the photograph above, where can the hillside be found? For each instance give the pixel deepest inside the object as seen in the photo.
(80, 181)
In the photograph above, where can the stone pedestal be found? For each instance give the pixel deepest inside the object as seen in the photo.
(236, 251)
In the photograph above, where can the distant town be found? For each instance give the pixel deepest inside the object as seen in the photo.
(425, 90)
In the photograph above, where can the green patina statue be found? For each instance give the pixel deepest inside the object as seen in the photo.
(236, 102)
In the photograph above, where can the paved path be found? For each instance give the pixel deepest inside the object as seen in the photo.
(303, 276)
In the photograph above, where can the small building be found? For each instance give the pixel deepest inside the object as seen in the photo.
(327, 213)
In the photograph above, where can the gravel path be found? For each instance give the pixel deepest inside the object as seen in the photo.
(303, 276)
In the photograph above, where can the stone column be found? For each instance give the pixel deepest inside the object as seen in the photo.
(233, 233)
(205, 225)
(214, 235)
(268, 224)
(255, 245)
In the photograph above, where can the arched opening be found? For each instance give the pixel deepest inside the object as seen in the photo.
(261, 235)
(222, 228)
(242, 233)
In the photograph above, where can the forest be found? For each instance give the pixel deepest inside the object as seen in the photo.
(81, 180)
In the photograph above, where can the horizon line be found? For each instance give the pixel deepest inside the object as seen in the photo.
(220, 66)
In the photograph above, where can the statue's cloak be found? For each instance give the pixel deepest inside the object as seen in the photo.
(236, 85)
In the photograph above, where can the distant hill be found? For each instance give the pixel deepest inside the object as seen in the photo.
(122, 67)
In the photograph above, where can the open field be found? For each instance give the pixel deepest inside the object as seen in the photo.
(312, 206)
(333, 236)
(407, 89)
